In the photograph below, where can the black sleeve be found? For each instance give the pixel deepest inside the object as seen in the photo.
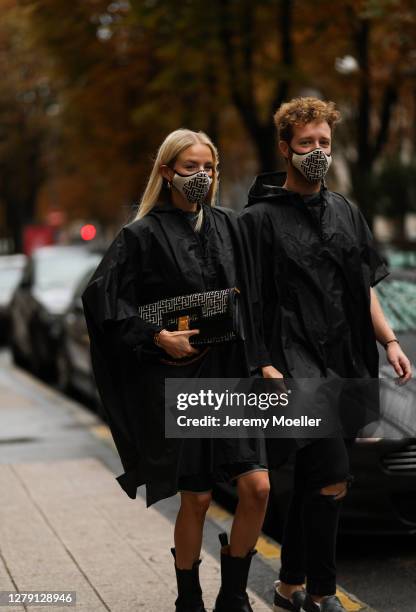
(114, 293)
(374, 266)
(253, 241)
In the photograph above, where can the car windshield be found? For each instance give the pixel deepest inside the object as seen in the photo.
(60, 271)
(398, 300)
(400, 259)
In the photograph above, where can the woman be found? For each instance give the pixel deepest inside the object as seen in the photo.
(178, 244)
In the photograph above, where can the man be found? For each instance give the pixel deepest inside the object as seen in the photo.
(317, 315)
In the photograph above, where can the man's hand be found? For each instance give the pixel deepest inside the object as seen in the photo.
(176, 344)
(271, 372)
(400, 362)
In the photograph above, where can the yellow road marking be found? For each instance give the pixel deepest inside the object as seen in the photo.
(103, 432)
(349, 604)
(217, 513)
(268, 549)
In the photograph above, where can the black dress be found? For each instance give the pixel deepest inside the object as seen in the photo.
(315, 262)
(153, 258)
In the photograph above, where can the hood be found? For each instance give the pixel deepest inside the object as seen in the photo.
(6, 295)
(167, 207)
(267, 187)
(55, 300)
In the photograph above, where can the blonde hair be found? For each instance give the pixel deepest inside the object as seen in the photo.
(156, 188)
(301, 111)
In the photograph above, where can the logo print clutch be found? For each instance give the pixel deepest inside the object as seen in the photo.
(215, 313)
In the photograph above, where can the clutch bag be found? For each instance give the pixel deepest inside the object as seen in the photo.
(215, 313)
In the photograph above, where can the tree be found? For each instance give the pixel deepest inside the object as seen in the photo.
(273, 50)
(384, 49)
(236, 52)
(123, 75)
(24, 100)
(379, 36)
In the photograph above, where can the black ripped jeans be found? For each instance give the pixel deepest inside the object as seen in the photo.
(309, 540)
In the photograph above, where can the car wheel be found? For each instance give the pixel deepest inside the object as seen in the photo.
(41, 363)
(17, 355)
(63, 371)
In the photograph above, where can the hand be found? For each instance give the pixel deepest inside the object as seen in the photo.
(400, 362)
(271, 372)
(176, 344)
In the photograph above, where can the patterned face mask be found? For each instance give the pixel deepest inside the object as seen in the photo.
(194, 187)
(313, 165)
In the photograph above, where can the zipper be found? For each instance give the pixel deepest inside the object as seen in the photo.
(198, 240)
(316, 222)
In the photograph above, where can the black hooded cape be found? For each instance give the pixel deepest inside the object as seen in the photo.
(156, 257)
(315, 261)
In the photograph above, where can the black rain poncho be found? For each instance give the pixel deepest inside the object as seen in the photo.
(315, 262)
(153, 258)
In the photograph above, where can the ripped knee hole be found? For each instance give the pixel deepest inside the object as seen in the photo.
(336, 491)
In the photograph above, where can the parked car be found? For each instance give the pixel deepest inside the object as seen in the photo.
(40, 302)
(382, 499)
(11, 269)
(74, 370)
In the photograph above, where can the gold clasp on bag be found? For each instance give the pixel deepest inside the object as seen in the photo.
(183, 323)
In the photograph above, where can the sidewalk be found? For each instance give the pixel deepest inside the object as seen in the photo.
(66, 525)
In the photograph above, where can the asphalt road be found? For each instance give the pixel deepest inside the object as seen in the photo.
(380, 570)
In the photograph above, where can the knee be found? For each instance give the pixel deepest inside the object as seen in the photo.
(337, 491)
(196, 503)
(255, 493)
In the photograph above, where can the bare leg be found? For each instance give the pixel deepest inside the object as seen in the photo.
(189, 527)
(253, 492)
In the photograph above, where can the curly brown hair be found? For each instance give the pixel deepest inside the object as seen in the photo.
(301, 111)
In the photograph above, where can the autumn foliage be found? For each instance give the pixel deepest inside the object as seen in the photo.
(90, 88)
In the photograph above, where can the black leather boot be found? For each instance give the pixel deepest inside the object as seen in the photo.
(234, 575)
(189, 590)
